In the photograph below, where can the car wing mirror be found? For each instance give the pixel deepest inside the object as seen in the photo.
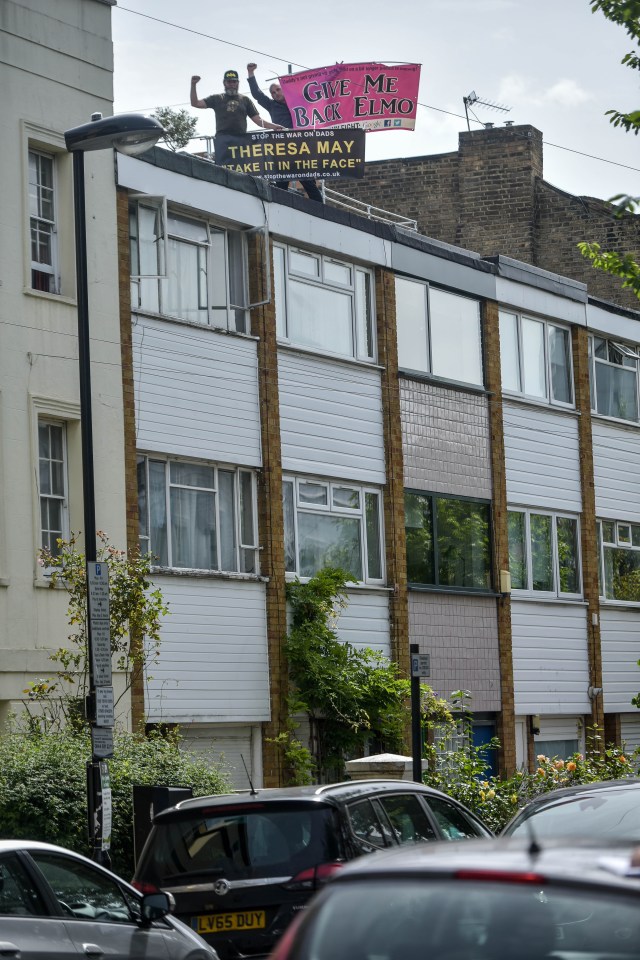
(155, 906)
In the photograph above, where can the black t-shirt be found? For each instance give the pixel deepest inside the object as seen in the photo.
(231, 112)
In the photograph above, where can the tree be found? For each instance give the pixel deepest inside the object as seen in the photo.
(626, 13)
(135, 612)
(179, 126)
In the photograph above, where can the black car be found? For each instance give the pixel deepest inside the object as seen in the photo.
(607, 810)
(241, 866)
(481, 900)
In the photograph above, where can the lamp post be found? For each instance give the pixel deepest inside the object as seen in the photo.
(131, 134)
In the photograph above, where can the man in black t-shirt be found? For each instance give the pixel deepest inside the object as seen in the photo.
(231, 110)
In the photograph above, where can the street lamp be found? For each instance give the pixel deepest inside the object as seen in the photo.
(132, 134)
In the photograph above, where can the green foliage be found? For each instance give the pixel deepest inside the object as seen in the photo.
(626, 13)
(350, 695)
(179, 126)
(135, 610)
(620, 265)
(43, 794)
(461, 772)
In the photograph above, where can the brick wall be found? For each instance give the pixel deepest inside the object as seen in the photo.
(490, 197)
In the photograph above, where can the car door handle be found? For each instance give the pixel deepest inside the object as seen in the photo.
(93, 950)
(8, 949)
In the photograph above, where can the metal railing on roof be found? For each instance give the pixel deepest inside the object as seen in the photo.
(341, 199)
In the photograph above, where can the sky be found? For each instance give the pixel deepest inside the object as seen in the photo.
(554, 63)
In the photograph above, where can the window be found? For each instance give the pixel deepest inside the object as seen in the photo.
(438, 332)
(536, 359)
(544, 553)
(614, 379)
(448, 541)
(187, 268)
(52, 477)
(332, 524)
(197, 516)
(86, 893)
(323, 303)
(42, 222)
(619, 560)
(18, 895)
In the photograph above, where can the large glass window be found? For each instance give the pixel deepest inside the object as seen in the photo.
(197, 516)
(52, 477)
(448, 541)
(614, 379)
(42, 222)
(535, 357)
(323, 303)
(544, 553)
(438, 332)
(619, 560)
(187, 268)
(332, 524)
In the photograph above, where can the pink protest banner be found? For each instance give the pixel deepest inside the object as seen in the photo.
(374, 96)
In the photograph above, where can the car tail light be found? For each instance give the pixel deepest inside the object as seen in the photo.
(313, 877)
(500, 876)
(145, 887)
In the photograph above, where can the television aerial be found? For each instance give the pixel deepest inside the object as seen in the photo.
(473, 98)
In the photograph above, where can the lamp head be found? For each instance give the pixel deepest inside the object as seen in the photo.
(129, 133)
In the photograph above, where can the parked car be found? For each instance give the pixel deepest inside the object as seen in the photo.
(241, 866)
(58, 904)
(607, 810)
(488, 899)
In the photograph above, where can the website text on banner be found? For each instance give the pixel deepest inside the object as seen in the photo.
(289, 154)
(373, 96)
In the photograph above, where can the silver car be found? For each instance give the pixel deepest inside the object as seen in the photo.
(58, 905)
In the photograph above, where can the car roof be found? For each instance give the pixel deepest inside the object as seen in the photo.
(578, 790)
(332, 793)
(10, 846)
(486, 859)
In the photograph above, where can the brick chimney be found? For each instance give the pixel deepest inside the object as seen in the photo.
(497, 172)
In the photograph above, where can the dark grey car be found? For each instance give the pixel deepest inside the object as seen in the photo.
(58, 905)
(242, 866)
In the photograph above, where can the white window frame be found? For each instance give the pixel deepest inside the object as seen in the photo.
(547, 362)
(240, 544)
(427, 289)
(363, 324)
(632, 352)
(617, 543)
(236, 314)
(302, 506)
(556, 593)
(63, 498)
(52, 269)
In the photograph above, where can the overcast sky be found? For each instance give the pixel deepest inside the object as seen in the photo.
(553, 62)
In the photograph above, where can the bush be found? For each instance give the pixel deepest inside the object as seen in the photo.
(43, 793)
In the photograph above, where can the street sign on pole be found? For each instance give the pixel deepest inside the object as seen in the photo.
(99, 624)
(104, 707)
(102, 742)
(420, 664)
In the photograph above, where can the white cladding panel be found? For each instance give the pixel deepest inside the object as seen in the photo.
(541, 453)
(616, 468)
(365, 621)
(226, 746)
(196, 392)
(620, 643)
(331, 418)
(550, 662)
(630, 729)
(213, 664)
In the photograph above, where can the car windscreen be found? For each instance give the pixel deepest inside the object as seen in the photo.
(240, 842)
(601, 815)
(416, 919)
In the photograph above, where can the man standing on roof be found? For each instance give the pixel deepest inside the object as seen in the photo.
(277, 108)
(231, 110)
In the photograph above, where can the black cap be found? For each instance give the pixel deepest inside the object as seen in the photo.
(231, 75)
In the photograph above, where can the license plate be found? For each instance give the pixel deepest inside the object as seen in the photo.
(222, 922)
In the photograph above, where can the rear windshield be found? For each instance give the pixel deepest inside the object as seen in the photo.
(420, 919)
(265, 841)
(604, 814)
